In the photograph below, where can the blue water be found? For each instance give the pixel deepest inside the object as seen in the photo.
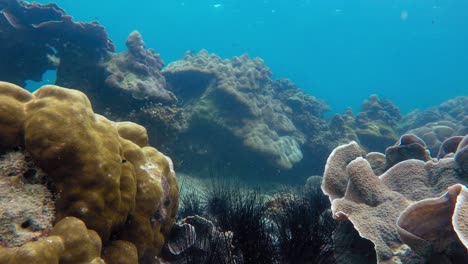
(413, 52)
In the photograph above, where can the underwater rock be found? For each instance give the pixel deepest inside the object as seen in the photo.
(373, 203)
(39, 37)
(102, 172)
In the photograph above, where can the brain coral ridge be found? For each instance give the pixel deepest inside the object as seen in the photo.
(373, 202)
(102, 172)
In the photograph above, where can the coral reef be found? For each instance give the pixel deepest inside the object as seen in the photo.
(238, 104)
(100, 171)
(373, 203)
(437, 124)
(36, 37)
(435, 133)
(454, 110)
(137, 71)
(239, 100)
(374, 127)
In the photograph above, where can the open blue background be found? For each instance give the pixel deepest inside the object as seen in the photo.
(413, 52)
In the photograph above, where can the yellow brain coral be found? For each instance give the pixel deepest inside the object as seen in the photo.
(103, 172)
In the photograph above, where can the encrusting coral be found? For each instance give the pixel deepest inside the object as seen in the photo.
(373, 203)
(101, 172)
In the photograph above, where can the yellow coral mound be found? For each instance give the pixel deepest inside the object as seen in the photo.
(103, 172)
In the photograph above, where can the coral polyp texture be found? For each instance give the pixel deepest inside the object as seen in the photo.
(99, 171)
(406, 188)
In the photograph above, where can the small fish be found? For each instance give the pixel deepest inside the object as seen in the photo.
(217, 5)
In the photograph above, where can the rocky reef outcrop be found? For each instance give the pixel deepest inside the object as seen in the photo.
(39, 37)
(438, 123)
(374, 127)
(238, 101)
